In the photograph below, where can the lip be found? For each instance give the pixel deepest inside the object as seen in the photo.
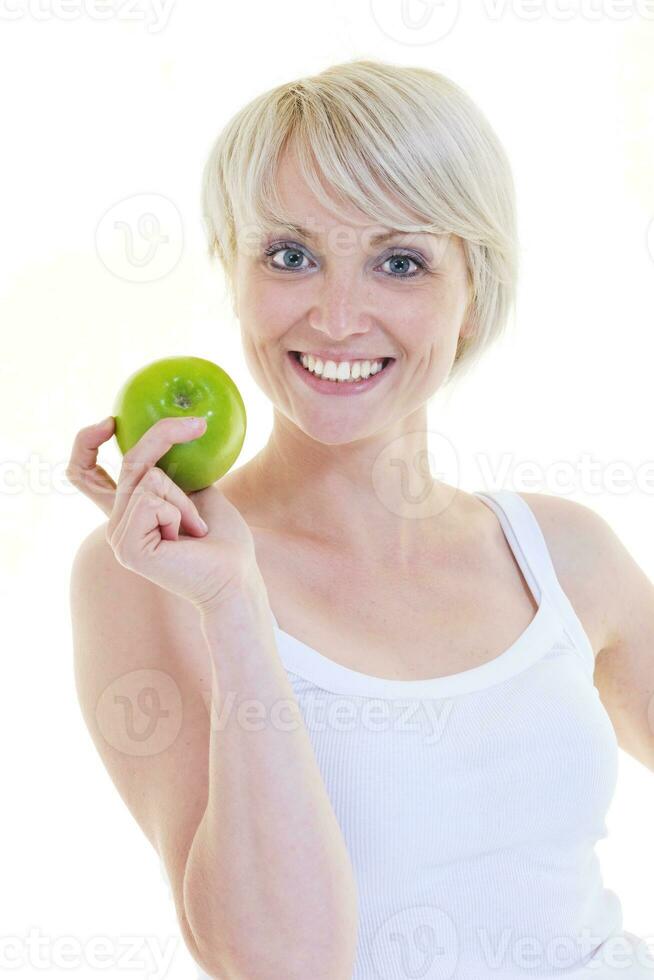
(333, 356)
(335, 387)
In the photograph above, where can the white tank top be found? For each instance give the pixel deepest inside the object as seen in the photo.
(471, 804)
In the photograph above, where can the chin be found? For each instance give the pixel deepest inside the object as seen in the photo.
(336, 431)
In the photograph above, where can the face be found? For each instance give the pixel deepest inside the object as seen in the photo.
(340, 291)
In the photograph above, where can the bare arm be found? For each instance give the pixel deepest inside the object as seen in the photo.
(269, 889)
(624, 667)
(169, 614)
(260, 877)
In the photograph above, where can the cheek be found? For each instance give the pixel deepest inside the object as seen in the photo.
(430, 319)
(419, 327)
(267, 309)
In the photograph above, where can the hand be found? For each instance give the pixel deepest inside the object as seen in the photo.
(147, 511)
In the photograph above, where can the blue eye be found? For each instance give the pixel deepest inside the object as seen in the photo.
(295, 254)
(403, 257)
(293, 251)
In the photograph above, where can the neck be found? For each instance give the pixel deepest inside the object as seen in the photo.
(366, 498)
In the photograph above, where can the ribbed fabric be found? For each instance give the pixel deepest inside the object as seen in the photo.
(471, 804)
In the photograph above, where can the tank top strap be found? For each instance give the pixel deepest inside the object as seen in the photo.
(528, 544)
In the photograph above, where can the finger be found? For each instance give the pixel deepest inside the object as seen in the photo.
(149, 449)
(158, 482)
(148, 520)
(83, 470)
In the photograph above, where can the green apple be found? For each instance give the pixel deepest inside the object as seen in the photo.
(179, 386)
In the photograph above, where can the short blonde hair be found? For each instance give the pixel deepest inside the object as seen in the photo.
(404, 144)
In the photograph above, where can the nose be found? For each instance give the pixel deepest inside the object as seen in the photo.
(343, 307)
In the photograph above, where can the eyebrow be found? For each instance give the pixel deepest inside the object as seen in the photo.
(375, 240)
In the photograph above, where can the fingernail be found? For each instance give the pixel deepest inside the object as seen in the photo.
(203, 525)
(194, 422)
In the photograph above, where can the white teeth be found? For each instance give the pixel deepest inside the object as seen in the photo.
(344, 371)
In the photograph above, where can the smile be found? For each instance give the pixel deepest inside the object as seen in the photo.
(366, 374)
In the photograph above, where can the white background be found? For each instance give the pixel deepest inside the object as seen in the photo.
(105, 102)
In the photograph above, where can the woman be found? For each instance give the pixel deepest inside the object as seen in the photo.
(406, 766)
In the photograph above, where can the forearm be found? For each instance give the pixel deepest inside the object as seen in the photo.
(269, 888)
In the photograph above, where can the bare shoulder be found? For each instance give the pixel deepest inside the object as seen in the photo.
(137, 614)
(127, 631)
(586, 554)
(572, 526)
(97, 574)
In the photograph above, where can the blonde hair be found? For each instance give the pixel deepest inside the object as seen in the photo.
(404, 144)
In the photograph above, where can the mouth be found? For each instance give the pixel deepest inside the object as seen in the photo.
(335, 386)
(385, 361)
